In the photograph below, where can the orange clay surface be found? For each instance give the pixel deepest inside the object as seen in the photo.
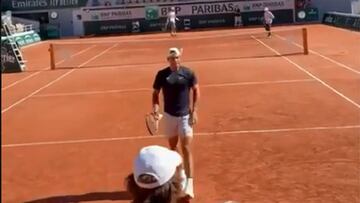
(271, 129)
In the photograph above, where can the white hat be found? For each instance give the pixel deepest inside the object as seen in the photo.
(158, 162)
(266, 9)
(174, 52)
(172, 8)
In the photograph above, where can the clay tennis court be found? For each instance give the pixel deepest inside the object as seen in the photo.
(275, 125)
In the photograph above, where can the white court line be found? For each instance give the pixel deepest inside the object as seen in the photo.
(256, 83)
(345, 30)
(82, 51)
(283, 38)
(308, 73)
(42, 70)
(93, 92)
(30, 45)
(322, 56)
(36, 91)
(52, 82)
(134, 50)
(149, 89)
(94, 57)
(23, 79)
(236, 132)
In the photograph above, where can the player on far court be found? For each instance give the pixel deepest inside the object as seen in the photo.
(268, 19)
(171, 20)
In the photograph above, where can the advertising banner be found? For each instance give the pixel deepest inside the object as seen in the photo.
(349, 21)
(156, 12)
(8, 58)
(306, 15)
(26, 5)
(100, 20)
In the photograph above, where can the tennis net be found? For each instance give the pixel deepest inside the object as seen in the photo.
(197, 46)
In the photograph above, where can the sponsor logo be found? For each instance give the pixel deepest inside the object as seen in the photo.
(95, 17)
(110, 15)
(8, 59)
(165, 10)
(301, 14)
(20, 40)
(274, 4)
(246, 7)
(271, 5)
(28, 4)
(329, 19)
(113, 27)
(212, 8)
(6, 56)
(312, 12)
(151, 12)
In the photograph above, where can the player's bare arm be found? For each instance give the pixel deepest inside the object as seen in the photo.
(155, 101)
(196, 98)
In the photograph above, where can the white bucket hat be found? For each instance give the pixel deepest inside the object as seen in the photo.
(158, 162)
(174, 52)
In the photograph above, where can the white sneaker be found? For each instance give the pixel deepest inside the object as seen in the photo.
(189, 190)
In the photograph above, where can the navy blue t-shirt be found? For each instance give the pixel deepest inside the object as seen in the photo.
(176, 87)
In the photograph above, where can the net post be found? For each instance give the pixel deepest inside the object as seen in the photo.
(305, 41)
(52, 57)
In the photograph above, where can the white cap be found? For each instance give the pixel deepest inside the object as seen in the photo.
(174, 52)
(157, 162)
(172, 8)
(266, 9)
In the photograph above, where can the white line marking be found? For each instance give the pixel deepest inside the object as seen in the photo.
(23, 79)
(94, 57)
(36, 91)
(73, 55)
(133, 50)
(82, 51)
(149, 89)
(93, 92)
(42, 70)
(324, 57)
(30, 45)
(345, 30)
(283, 38)
(281, 130)
(335, 62)
(308, 73)
(47, 85)
(257, 83)
(236, 132)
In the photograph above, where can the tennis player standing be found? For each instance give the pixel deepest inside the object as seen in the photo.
(176, 82)
(171, 20)
(237, 19)
(268, 19)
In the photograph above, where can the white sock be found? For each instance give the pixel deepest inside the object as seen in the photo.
(184, 179)
(189, 190)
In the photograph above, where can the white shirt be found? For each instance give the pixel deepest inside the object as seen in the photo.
(172, 16)
(268, 16)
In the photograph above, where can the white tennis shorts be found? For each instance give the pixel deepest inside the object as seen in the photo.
(177, 126)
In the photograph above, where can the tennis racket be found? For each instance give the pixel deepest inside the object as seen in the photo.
(152, 123)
